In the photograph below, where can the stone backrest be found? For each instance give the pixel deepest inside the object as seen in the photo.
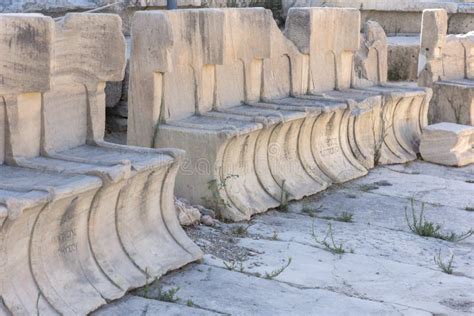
(53, 87)
(88, 50)
(442, 56)
(330, 37)
(195, 61)
(25, 58)
(370, 61)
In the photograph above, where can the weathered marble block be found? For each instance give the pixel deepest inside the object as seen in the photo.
(265, 119)
(107, 211)
(446, 63)
(448, 144)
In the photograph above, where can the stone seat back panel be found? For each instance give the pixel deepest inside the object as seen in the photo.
(330, 52)
(113, 236)
(446, 63)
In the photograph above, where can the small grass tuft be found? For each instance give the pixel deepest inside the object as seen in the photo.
(424, 228)
(189, 303)
(241, 230)
(331, 244)
(310, 211)
(277, 272)
(345, 217)
(146, 287)
(235, 265)
(446, 267)
(283, 198)
(275, 235)
(168, 295)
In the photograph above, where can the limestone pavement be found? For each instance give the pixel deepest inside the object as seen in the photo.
(386, 269)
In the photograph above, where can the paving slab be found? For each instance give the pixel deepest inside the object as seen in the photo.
(236, 293)
(465, 174)
(368, 240)
(422, 187)
(362, 276)
(138, 306)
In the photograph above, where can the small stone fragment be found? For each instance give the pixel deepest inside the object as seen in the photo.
(187, 214)
(207, 220)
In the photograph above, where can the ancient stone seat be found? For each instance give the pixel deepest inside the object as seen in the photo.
(261, 120)
(387, 132)
(116, 227)
(27, 194)
(446, 63)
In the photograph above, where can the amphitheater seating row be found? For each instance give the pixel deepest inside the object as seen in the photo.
(82, 221)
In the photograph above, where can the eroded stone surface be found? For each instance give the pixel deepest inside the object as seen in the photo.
(448, 144)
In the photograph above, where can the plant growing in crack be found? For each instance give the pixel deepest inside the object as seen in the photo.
(446, 267)
(328, 242)
(277, 272)
(235, 265)
(146, 287)
(345, 217)
(275, 235)
(215, 187)
(284, 198)
(311, 211)
(422, 227)
(380, 135)
(168, 295)
(241, 231)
